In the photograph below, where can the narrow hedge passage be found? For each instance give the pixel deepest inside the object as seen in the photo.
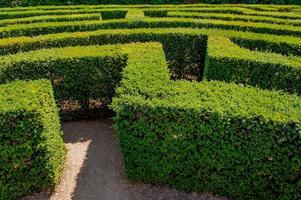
(206, 98)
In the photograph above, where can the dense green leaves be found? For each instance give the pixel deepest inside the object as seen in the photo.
(227, 61)
(115, 14)
(191, 45)
(237, 141)
(32, 150)
(68, 2)
(58, 27)
(234, 140)
(78, 74)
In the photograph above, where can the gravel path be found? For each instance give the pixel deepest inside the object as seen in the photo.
(94, 169)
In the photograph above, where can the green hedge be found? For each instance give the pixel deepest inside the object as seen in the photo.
(116, 14)
(191, 45)
(156, 11)
(211, 136)
(33, 13)
(190, 42)
(210, 149)
(228, 139)
(32, 150)
(270, 44)
(243, 11)
(59, 27)
(234, 17)
(68, 2)
(59, 18)
(78, 74)
(228, 62)
(265, 42)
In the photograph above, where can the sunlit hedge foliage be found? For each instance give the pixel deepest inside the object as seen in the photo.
(32, 150)
(215, 107)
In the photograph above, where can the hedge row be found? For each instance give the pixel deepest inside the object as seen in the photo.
(192, 46)
(58, 27)
(111, 6)
(228, 62)
(8, 3)
(190, 42)
(159, 148)
(9, 14)
(113, 14)
(232, 140)
(32, 150)
(282, 44)
(270, 45)
(78, 74)
(210, 136)
(234, 17)
(47, 18)
(33, 13)
(243, 11)
(276, 8)
(290, 15)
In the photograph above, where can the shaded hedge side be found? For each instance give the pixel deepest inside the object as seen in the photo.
(192, 46)
(76, 73)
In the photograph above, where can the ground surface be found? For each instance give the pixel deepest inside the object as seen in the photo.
(94, 169)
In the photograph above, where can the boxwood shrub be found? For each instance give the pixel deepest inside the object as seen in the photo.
(232, 140)
(59, 27)
(59, 18)
(114, 14)
(68, 2)
(228, 62)
(233, 17)
(32, 150)
(191, 43)
(155, 13)
(185, 57)
(78, 74)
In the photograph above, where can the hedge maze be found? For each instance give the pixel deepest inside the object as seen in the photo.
(206, 98)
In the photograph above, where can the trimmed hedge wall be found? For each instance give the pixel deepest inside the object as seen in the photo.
(265, 42)
(192, 46)
(32, 150)
(219, 137)
(68, 2)
(76, 74)
(59, 18)
(233, 17)
(116, 14)
(226, 61)
(190, 42)
(59, 27)
(211, 136)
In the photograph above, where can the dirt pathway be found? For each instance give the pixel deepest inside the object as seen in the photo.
(94, 169)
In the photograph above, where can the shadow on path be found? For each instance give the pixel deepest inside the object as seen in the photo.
(94, 169)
